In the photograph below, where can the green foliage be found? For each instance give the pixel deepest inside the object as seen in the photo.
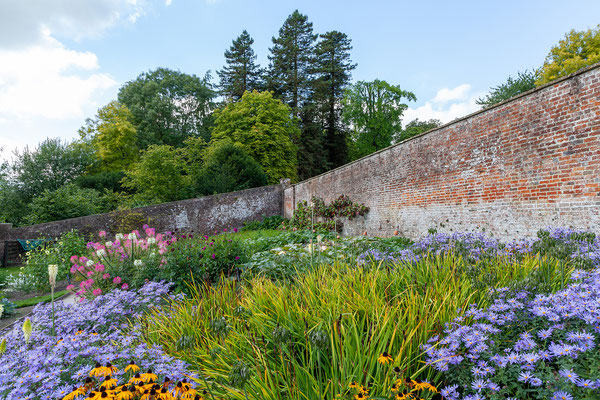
(262, 126)
(374, 110)
(241, 73)
(56, 252)
(318, 215)
(159, 175)
(332, 67)
(312, 338)
(68, 201)
(416, 127)
(168, 107)
(113, 137)
(513, 86)
(229, 168)
(8, 308)
(291, 58)
(39, 299)
(202, 259)
(101, 181)
(272, 222)
(577, 50)
(128, 220)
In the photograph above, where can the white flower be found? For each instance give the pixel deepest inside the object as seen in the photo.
(89, 263)
(119, 236)
(132, 236)
(151, 240)
(152, 254)
(323, 248)
(319, 238)
(138, 263)
(101, 252)
(281, 252)
(1, 309)
(108, 244)
(52, 272)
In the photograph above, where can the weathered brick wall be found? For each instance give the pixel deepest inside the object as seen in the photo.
(526, 164)
(201, 215)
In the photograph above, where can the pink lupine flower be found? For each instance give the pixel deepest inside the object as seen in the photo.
(102, 234)
(125, 286)
(105, 276)
(117, 280)
(97, 292)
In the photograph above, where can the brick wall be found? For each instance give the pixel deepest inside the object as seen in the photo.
(526, 164)
(201, 215)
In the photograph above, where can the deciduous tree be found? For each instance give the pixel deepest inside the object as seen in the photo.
(513, 86)
(264, 128)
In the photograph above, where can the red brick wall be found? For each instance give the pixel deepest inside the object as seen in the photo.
(526, 164)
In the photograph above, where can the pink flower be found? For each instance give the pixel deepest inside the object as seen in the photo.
(117, 280)
(81, 268)
(74, 268)
(235, 230)
(90, 273)
(70, 287)
(97, 292)
(236, 258)
(82, 284)
(99, 267)
(150, 231)
(105, 276)
(213, 256)
(82, 260)
(225, 230)
(74, 259)
(102, 234)
(125, 286)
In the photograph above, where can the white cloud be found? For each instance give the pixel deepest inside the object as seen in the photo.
(458, 93)
(447, 105)
(168, 2)
(47, 89)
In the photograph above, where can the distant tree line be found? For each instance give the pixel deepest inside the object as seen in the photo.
(171, 135)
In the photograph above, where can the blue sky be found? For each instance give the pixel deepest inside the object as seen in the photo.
(60, 60)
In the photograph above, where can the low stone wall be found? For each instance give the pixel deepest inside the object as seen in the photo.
(202, 215)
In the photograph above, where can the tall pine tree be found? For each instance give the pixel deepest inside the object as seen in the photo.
(291, 61)
(241, 73)
(332, 69)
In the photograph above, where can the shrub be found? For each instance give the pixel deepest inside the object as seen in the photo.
(57, 252)
(320, 216)
(203, 258)
(272, 222)
(68, 201)
(229, 168)
(128, 261)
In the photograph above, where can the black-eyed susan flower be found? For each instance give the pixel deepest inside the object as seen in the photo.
(384, 358)
(189, 395)
(132, 367)
(149, 376)
(167, 382)
(98, 370)
(136, 379)
(125, 393)
(178, 389)
(109, 369)
(108, 382)
(360, 396)
(394, 387)
(77, 391)
(353, 385)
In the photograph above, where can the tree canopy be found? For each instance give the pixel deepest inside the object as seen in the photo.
(523, 82)
(374, 111)
(241, 73)
(264, 128)
(168, 107)
(577, 50)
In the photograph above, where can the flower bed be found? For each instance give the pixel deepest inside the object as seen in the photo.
(94, 331)
(525, 345)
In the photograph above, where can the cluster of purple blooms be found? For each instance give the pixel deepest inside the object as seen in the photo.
(474, 246)
(97, 330)
(525, 345)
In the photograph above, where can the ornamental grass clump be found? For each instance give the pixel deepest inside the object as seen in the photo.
(126, 262)
(525, 345)
(38, 365)
(334, 324)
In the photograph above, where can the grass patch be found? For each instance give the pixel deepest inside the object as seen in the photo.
(40, 299)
